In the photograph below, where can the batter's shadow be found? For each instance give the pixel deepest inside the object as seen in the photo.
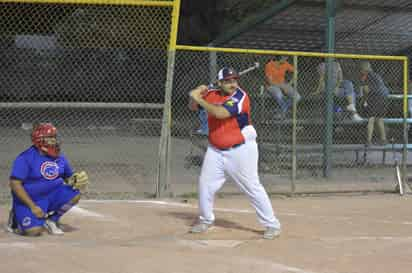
(191, 219)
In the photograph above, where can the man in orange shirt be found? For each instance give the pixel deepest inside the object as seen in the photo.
(277, 85)
(232, 151)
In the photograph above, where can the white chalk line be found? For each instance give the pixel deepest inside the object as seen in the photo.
(164, 203)
(211, 243)
(401, 239)
(11, 245)
(176, 204)
(86, 213)
(272, 266)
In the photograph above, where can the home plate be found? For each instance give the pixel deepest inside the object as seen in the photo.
(212, 243)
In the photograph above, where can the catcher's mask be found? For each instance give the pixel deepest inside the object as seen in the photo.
(44, 137)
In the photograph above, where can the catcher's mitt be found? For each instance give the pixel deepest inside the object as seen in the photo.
(79, 181)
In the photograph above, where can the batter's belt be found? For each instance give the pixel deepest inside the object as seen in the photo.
(231, 147)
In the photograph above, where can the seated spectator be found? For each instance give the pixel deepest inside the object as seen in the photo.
(203, 117)
(341, 87)
(204, 128)
(374, 101)
(277, 85)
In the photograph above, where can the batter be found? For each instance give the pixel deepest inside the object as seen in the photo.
(232, 151)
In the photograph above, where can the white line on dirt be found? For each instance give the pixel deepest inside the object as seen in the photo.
(273, 266)
(176, 204)
(10, 245)
(164, 203)
(287, 269)
(368, 238)
(211, 243)
(85, 212)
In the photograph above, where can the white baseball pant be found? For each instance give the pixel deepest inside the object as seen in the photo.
(240, 163)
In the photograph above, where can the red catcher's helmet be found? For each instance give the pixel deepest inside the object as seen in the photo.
(44, 138)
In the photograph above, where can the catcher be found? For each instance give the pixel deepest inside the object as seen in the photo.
(43, 185)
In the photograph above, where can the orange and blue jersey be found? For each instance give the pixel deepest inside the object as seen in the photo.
(226, 133)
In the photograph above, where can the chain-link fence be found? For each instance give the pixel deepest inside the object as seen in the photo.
(318, 144)
(98, 73)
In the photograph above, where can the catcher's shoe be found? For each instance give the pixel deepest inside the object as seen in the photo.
(52, 227)
(271, 233)
(200, 228)
(11, 225)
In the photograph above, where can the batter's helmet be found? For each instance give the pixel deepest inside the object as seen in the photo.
(44, 138)
(227, 73)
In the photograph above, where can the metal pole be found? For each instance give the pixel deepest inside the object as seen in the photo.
(163, 170)
(212, 66)
(294, 125)
(405, 123)
(330, 40)
(163, 179)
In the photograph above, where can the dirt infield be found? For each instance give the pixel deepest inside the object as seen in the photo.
(339, 234)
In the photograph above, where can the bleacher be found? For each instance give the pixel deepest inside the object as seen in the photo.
(348, 135)
(275, 133)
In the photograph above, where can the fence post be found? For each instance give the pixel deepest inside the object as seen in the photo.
(294, 125)
(163, 171)
(330, 40)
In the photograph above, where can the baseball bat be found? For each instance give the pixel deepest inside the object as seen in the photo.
(243, 72)
(247, 70)
(214, 83)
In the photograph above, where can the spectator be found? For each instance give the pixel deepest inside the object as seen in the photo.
(204, 128)
(341, 87)
(202, 115)
(374, 93)
(277, 85)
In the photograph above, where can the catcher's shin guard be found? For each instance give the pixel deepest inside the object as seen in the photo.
(12, 224)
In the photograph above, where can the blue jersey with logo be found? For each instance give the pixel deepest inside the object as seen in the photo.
(40, 173)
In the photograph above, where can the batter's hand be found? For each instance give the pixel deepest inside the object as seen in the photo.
(37, 211)
(197, 93)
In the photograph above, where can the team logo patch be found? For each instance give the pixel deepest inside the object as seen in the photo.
(26, 221)
(230, 103)
(49, 170)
